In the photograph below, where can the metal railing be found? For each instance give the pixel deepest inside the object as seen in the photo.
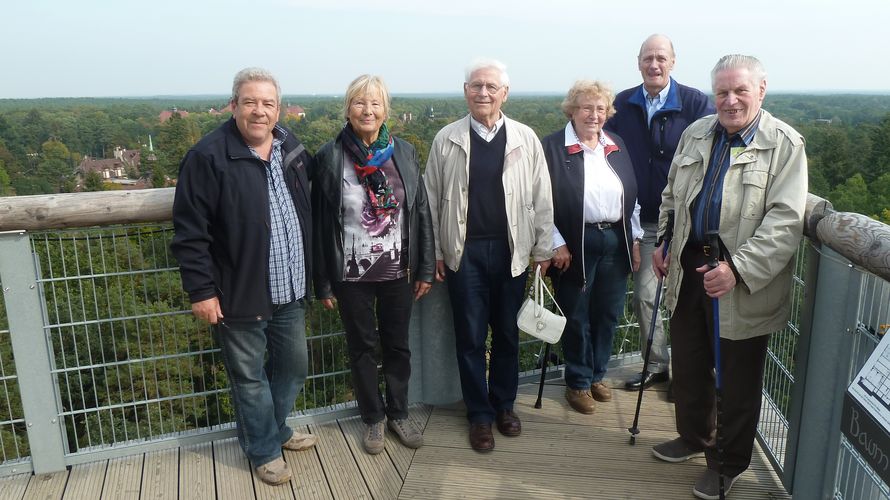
(108, 360)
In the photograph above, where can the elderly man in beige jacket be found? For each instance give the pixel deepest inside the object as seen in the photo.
(743, 174)
(489, 193)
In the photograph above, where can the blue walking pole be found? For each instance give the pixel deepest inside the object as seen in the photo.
(666, 240)
(713, 253)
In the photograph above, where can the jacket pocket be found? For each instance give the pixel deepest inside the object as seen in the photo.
(688, 178)
(754, 193)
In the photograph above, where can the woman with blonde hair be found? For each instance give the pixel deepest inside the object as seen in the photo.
(373, 253)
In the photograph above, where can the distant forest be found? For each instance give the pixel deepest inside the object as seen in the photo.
(43, 141)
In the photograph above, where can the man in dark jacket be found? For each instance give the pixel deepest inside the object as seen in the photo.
(242, 238)
(650, 118)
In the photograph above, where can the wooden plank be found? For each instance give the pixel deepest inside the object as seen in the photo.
(380, 474)
(402, 455)
(13, 487)
(344, 476)
(86, 480)
(46, 486)
(160, 475)
(123, 478)
(196, 480)
(232, 471)
(544, 461)
(309, 480)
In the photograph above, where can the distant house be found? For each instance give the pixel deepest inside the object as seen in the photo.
(111, 168)
(296, 111)
(166, 114)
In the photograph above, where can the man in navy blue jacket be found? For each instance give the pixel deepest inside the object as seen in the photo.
(242, 239)
(650, 118)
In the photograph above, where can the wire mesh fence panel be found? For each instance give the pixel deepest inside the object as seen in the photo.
(855, 479)
(130, 363)
(778, 373)
(13, 435)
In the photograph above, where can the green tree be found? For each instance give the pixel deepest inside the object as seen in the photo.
(158, 176)
(852, 196)
(92, 181)
(55, 166)
(5, 188)
(177, 135)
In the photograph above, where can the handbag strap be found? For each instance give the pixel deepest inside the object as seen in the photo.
(540, 287)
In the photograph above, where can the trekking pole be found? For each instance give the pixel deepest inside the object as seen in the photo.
(543, 373)
(713, 253)
(666, 240)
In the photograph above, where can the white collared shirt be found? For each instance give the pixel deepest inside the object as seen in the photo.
(658, 102)
(483, 131)
(603, 191)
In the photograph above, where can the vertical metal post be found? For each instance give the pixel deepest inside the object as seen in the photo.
(33, 360)
(821, 372)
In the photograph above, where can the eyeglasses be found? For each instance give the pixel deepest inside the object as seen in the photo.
(477, 87)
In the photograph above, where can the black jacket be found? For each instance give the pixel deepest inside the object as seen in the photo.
(222, 223)
(327, 201)
(567, 181)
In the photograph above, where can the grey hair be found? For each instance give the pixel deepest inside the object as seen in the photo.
(253, 75)
(738, 61)
(494, 64)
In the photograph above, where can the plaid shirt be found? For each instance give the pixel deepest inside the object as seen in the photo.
(287, 272)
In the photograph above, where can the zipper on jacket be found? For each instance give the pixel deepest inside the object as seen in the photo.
(625, 221)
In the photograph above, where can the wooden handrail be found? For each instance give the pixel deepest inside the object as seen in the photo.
(102, 208)
(862, 240)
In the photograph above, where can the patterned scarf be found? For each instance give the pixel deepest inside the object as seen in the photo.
(368, 163)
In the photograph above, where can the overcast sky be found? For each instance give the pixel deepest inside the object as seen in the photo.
(65, 48)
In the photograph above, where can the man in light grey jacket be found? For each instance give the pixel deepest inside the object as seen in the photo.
(489, 193)
(743, 174)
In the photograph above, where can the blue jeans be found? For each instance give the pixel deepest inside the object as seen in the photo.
(484, 293)
(592, 311)
(264, 388)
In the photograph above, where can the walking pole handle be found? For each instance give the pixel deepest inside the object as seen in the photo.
(713, 249)
(668, 234)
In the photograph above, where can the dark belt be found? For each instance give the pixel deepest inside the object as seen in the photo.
(602, 226)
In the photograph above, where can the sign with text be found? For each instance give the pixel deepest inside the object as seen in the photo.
(865, 420)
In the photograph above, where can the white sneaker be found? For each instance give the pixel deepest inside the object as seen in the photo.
(300, 441)
(274, 472)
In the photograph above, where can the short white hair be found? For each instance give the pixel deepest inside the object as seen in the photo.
(738, 61)
(494, 64)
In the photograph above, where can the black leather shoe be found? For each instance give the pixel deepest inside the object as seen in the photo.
(481, 438)
(508, 423)
(651, 378)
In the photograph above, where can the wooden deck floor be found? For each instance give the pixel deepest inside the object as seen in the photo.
(561, 454)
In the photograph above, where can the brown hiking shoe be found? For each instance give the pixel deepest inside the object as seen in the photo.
(580, 400)
(600, 392)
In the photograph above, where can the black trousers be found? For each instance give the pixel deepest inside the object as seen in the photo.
(694, 382)
(371, 312)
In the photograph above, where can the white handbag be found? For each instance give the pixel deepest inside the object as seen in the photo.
(534, 319)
